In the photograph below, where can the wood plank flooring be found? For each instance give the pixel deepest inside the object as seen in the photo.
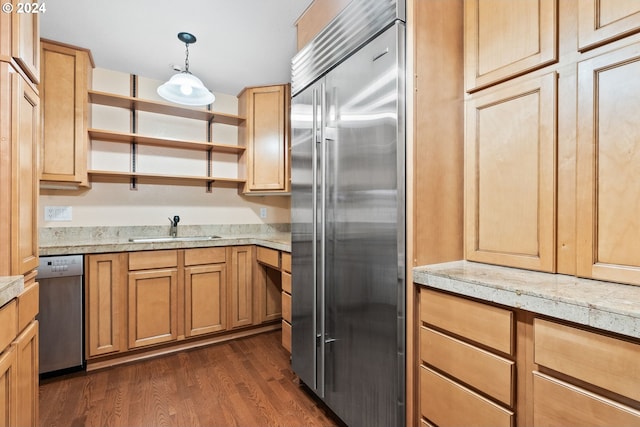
(246, 382)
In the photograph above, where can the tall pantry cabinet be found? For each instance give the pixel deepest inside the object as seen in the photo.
(552, 146)
(19, 142)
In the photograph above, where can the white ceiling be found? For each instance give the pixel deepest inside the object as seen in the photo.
(239, 42)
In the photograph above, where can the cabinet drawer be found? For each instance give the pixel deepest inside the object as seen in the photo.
(556, 403)
(153, 259)
(286, 282)
(286, 307)
(286, 262)
(9, 322)
(269, 256)
(447, 403)
(482, 323)
(202, 256)
(28, 305)
(597, 359)
(286, 335)
(480, 369)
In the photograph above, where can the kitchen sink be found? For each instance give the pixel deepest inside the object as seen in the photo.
(171, 239)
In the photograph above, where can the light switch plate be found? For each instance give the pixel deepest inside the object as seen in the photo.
(57, 213)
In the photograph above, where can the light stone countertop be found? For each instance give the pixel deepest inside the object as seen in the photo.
(608, 306)
(10, 287)
(92, 240)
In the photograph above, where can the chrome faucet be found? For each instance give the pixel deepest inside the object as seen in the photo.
(173, 231)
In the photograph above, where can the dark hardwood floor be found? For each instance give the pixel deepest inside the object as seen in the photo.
(246, 382)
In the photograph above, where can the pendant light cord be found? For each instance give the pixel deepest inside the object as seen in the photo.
(186, 58)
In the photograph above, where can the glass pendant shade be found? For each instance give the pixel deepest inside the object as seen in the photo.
(185, 88)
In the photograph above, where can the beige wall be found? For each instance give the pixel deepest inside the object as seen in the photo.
(107, 204)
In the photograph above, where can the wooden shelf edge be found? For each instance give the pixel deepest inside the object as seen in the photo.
(113, 100)
(126, 137)
(115, 176)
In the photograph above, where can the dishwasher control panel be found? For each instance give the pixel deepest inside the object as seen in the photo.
(60, 266)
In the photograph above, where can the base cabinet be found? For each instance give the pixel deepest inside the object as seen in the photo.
(509, 367)
(205, 291)
(27, 356)
(286, 301)
(8, 388)
(152, 307)
(104, 287)
(240, 286)
(151, 301)
(19, 377)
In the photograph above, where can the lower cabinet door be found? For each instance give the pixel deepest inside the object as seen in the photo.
(27, 368)
(240, 286)
(205, 299)
(152, 307)
(105, 279)
(8, 388)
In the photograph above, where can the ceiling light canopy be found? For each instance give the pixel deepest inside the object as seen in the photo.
(185, 88)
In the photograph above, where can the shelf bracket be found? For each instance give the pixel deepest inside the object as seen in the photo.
(209, 152)
(133, 185)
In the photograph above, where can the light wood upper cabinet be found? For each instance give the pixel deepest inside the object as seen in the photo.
(20, 40)
(26, 41)
(510, 170)
(265, 134)
(609, 166)
(104, 295)
(506, 38)
(66, 77)
(19, 140)
(602, 21)
(316, 17)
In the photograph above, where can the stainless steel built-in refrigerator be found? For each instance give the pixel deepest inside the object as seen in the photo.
(348, 214)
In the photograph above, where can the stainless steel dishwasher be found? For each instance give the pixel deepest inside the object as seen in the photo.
(61, 314)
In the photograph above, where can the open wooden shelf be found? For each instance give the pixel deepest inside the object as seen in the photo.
(151, 178)
(113, 100)
(125, 137)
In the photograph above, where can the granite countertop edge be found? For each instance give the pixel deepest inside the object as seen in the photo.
(10, 287)
(612, 307)
(279, 241)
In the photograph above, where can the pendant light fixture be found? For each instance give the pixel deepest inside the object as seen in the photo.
(185, 88)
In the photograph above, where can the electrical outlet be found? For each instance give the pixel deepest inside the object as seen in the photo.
(57, 213)
(263, 212)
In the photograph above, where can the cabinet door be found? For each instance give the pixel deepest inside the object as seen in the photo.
(608, 166)
(153, 307)
(25, 134)
(265, 134)
(205, 299)
(267, 294)
(25, 40)
(66, 77)
(27, 369)
(506, 38)
(601, 21)
(20, 39)
(510, 175)
(8, 388)
(104, 287)
(240, 289)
